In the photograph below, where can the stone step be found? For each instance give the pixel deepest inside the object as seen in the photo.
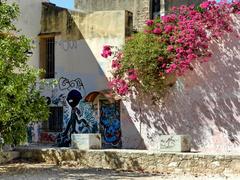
(8, 156)
(137, 160)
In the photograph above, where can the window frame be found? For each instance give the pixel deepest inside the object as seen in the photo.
(54, 124)
(47, 55)
(152, 8)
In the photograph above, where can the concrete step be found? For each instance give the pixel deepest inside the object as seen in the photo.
(8, 156)
(137, 160)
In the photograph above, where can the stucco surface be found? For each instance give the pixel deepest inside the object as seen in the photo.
(141, 9)
(29, 24)
(205, 103)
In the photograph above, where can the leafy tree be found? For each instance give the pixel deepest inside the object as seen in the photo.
(20, 101)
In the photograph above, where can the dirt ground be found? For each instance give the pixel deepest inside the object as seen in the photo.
(33, 171)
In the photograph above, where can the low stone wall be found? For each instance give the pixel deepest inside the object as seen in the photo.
(136, 160)
(8, 156)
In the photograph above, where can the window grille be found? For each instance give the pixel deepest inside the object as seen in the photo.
(50, 57)
(47, 56)
(55, 120)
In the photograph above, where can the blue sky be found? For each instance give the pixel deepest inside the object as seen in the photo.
(64, 3)
(67, 3)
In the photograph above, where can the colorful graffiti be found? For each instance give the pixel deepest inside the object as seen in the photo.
(81, 119)
(47, 137)
(78, 115)
(110, 126)
(33, 132)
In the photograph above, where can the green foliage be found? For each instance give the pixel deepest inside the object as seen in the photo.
(20, 101)
(141, 53)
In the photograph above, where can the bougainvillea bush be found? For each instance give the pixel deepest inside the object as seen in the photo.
(169, 46)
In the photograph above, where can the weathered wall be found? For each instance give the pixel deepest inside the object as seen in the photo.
(79, 38)
(140, 8)
(204, 104)
(29, 24)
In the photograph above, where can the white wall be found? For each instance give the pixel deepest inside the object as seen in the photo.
(29, 24)
(205, 103)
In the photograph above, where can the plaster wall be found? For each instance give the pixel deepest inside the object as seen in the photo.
(79, 38)
(29, 24)
(205, 103)
(140, 8)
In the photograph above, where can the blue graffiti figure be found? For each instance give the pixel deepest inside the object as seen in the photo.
(111, 126)
(87, 113)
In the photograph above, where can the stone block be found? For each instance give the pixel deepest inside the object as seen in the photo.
(175, 143)
(86, 141)
(8, 156)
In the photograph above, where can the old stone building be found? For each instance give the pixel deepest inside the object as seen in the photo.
(141, 9)
(205, 104)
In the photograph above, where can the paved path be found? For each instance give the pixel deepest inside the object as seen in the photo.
(26, 171)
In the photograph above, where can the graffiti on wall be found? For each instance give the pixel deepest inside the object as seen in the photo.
(66, 84)
(47, 137)
(110, 126)
(33, 132)
(81, 119)
(78, 115)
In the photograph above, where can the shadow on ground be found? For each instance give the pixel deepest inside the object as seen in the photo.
(28, 170)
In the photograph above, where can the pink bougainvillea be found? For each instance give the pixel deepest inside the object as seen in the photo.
(185, 35)
(132, 74)
(106, 51)
(119, 85)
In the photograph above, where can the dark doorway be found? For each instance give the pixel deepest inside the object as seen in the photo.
(154, 9)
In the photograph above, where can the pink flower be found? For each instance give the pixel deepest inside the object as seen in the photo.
(122, 87)
(205, 5)
(170, 48)
(191, 56)
(119, 85)
(160, 58)
(106, 51)
(168, 29)
(189, 51)
(157, 31)
(171, 68)
(149, 22)
(172, 39)
(164, 65)
(115, 64)
(106, 47)
(132, 74)
(158, 25)
(169, 18)
(179, 50)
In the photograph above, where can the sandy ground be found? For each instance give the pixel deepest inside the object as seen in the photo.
(33, 171)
